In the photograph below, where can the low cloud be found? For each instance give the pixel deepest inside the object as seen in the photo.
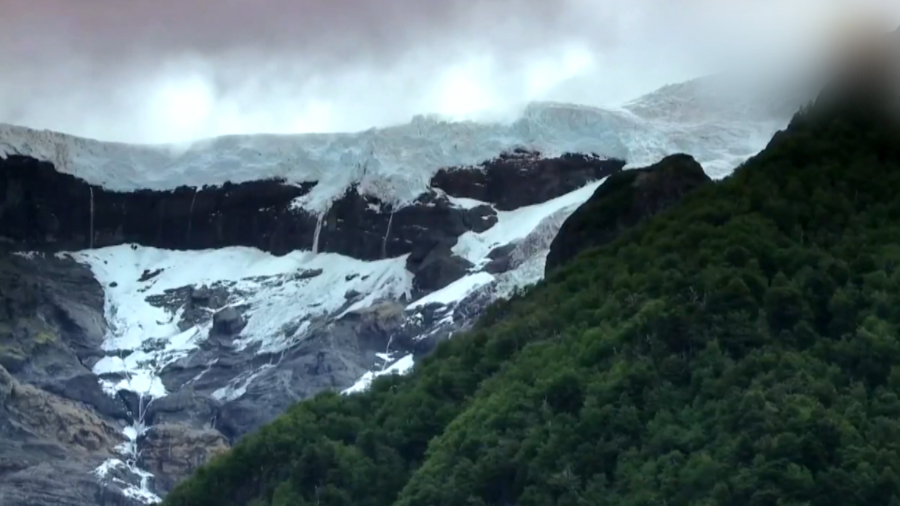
(167, 71)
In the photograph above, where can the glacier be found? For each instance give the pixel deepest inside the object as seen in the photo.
(720, 121)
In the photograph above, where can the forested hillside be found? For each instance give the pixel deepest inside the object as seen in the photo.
(738, 349)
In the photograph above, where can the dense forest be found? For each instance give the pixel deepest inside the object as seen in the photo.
(739, 348)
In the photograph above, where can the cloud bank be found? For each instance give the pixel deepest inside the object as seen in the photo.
(167, 71)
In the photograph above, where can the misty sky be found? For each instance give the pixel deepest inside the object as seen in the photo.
(174, 70)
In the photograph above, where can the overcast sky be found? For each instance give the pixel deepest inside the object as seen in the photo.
(174, 70)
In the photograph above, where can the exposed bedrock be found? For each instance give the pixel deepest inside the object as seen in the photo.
(51, 328)
(523, 178)
(57, 419)
(623, 201)
(56, 423)
(43, 209)
(332, 355)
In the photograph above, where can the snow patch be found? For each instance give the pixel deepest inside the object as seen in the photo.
(465, 203)
(402, 366)
(140, 493)
(526, 260)
(281, 295)
(280, 291)
(129, 449)
(515, 225)
(455, 291)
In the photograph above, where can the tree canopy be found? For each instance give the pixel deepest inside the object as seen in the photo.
(739, 348)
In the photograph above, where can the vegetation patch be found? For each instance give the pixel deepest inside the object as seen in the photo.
(739, 348)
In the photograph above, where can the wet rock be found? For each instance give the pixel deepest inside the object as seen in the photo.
(307, 274)
(51, 318)
(185, 407)
(59, 483)
(147, 275)
(6, 384)
(47, 209)
(86, 388)
(361, 226)
(435, 266)
(171, 452)
(622, 201)
(228, 322)
(196, 304)
(49, 447)
(61, 420)
(523, 178)
(500, 259)
(134, 404)
(300, 374)
(333, 357)
(211, 367)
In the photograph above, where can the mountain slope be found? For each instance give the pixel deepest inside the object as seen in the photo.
(194, 293)
(739, 348)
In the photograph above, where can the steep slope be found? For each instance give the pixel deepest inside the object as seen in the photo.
(622, 202)
(738, 348)
(217, 284)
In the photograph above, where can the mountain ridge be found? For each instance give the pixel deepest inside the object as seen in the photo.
(395, 163)
(737, 348)
(200, 336)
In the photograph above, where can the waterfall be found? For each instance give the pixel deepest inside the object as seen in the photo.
(387, 353)
(91, 231)
(315, 246)
(132, 452)
(191, 215)
(386, 234)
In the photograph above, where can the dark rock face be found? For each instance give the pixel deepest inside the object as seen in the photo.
(56, 423)
(52, 311)
(184, 406)
(173, 451)
(331, 357)
(500, 259)
(359, 226)
(42, 209)
(49, 446)
(523, 178)
(228, 322)
(51, 328)
(435, 266)
(622, 201)
(46, 209)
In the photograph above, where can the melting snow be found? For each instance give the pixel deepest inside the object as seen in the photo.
(280, 292)
(455, 291)
(401, 366)
(140, 493)
(464, 203)
(394, 164)
(517, 224)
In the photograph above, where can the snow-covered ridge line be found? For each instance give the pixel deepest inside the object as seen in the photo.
(397, 163)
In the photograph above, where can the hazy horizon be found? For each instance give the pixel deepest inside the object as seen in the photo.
(165, 72)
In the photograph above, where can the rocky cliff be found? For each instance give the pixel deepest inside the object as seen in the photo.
(159, 302)
(79, 417)
(622, 201)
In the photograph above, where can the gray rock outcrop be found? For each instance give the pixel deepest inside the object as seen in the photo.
(57, 424)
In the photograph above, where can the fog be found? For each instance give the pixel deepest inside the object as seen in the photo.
(166, 71)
